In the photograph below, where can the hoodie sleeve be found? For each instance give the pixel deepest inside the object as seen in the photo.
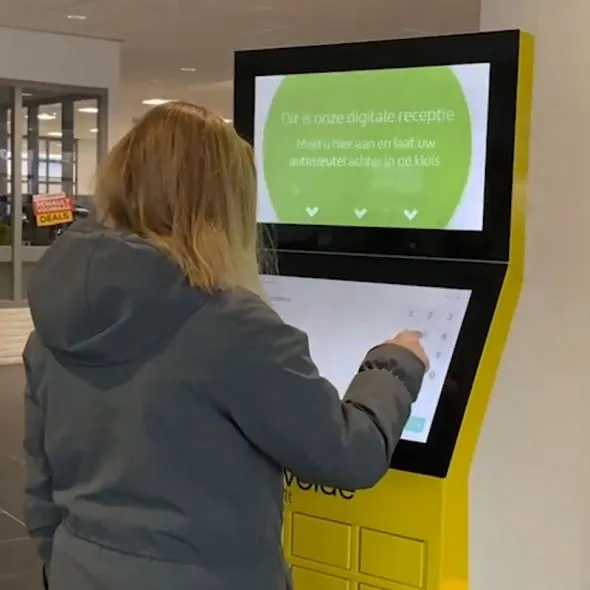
(292, 414)
(41, 514)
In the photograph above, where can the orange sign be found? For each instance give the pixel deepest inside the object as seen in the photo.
(53, 209)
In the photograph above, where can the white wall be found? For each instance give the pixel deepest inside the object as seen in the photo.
(41, 57)
(530, 486)
(53, 58)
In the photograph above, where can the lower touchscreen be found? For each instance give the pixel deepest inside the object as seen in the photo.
(344, 319)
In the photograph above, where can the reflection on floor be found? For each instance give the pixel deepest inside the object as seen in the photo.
(19, 566)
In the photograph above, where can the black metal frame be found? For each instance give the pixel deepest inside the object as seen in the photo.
(499, 49)
(457, 259)
(484, 280)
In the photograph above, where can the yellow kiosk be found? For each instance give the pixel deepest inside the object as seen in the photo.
(392, 177)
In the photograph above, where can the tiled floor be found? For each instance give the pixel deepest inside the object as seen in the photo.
(19, 566)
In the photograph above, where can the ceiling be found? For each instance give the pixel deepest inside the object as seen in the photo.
(161, 37)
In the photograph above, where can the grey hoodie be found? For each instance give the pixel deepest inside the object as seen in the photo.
(159, 420)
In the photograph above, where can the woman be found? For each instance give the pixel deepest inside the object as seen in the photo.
(165, 396)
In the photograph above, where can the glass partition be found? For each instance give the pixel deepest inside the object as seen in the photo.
(51, 141)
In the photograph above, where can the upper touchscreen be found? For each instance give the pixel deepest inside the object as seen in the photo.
(344, 319)
(397, 148)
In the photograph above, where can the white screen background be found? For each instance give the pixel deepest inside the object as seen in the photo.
(475, 81)
(345, 319)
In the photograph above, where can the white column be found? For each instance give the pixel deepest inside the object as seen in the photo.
(530, 486)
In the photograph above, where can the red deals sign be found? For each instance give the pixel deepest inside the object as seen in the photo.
(53, 209)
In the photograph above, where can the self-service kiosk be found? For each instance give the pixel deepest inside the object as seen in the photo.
(392, 179)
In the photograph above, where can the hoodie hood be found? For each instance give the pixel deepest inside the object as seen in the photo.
(102, 297)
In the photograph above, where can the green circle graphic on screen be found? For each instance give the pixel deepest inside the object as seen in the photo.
(379, 148)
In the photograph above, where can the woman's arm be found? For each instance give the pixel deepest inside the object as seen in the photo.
(41, 514)
(275, 394)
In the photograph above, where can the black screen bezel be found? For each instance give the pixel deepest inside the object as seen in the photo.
(499, 49)
(484, 280)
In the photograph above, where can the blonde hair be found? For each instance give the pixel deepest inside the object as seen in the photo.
(184, 180)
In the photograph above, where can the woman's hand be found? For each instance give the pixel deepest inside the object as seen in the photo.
(410, 339)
